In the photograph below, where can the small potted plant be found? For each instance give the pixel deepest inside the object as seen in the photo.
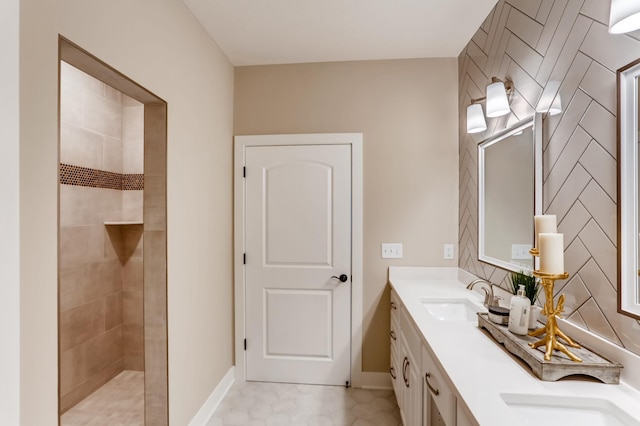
(531, 289)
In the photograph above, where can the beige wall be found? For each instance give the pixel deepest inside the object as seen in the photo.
(535, 43)
(159, 45)
(409, 120)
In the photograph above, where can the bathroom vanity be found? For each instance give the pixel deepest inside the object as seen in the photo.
(447, 371)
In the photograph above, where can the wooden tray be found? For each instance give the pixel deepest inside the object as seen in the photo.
(560, 365)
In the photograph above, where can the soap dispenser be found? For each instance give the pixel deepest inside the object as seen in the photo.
(519, 313)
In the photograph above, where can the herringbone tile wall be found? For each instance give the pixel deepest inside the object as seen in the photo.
(537, 43)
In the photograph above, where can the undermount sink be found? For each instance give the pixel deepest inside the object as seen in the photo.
(452, 309)
(564, 410)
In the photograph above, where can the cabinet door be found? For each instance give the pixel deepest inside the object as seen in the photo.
(395, 371)
(414, 394)
(395, 338)
(437, 392)
(411, 384)
(402, 392)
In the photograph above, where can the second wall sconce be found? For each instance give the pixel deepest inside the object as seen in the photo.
(497, 105)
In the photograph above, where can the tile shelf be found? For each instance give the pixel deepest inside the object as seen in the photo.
(123, 222)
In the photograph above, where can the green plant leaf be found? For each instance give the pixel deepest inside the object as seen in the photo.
(531, 284)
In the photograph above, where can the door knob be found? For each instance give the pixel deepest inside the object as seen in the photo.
(343, 278)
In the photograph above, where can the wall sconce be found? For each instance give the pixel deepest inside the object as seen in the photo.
(550, 101)
(497, 105)
(624, 16)
(556, 105)
(497, 100)
(475, 119)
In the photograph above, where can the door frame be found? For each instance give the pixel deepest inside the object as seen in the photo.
(156, 384)
(241, 143)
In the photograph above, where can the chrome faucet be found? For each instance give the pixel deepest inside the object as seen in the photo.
(488, 290)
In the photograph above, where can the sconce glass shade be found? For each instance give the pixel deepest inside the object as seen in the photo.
(475, 119)
(556, 106)
(624, 16)
(497, 101)
(550, 101)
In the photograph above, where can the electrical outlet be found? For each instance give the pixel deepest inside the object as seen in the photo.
(448, 251)
(520, 251)
(391, 250)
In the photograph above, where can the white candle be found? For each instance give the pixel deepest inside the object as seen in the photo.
(544, 223)
(552, 253)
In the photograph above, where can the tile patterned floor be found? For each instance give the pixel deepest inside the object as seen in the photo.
(267, 404)
(119, 402)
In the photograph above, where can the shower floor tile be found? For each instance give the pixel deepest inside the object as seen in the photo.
(118, 402)
(254, 403)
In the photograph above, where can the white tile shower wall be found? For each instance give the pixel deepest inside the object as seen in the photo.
(534, 42)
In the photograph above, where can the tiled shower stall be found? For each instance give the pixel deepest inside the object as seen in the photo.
(100, 265)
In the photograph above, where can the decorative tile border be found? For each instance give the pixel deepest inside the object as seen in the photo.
(83, 176)
(132, 182)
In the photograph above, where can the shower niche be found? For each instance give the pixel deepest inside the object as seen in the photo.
(111, 308)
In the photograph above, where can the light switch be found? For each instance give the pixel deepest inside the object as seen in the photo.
(391, 250)
(520, 251)
(448, 251)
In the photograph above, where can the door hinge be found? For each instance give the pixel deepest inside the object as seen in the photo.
(244, 172)
(245, 344)
(244, 258)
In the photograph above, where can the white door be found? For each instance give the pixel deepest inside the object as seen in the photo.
(298, 236)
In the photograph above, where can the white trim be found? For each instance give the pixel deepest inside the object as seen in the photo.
(629, 288)
(535, 122)
(353, 139)
(209, 407)
(376, 381)
(10, 213)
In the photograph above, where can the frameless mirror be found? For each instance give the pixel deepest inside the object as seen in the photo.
(628, 197)
(510, 194)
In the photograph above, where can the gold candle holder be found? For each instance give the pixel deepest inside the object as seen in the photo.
(551, 330)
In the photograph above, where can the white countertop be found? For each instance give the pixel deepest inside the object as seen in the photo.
(478, 367)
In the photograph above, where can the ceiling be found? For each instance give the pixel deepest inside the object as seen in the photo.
(259, 32)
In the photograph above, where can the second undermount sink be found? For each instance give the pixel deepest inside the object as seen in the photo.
(452, 309)
(564, 410)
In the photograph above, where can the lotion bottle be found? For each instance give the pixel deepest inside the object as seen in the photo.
(519, 313)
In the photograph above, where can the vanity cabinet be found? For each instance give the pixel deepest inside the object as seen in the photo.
(405, 364)
(422, 388)
(395, 342)
(411, 368)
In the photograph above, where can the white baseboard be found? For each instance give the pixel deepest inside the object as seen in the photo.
(376, 380)
(209, 407)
